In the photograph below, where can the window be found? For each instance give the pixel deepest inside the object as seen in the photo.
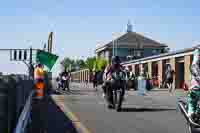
(102, 55)
(138, 53)
(131, 51)
(154, 52)
(135, 53)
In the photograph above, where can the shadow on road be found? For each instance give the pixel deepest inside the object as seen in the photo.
(84, 90)
(50, 118)
(57, 121)
(74, 92)
(145, 109)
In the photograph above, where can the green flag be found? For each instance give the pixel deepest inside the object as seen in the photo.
(46, 58)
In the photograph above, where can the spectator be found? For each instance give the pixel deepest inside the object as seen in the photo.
(169, 77)
(94, 79)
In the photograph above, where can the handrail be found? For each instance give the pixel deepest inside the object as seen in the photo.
(24, 116)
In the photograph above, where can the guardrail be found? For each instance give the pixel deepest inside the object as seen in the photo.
(24, 116)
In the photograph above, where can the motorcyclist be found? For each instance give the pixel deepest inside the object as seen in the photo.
(110, 80)
(194, 91)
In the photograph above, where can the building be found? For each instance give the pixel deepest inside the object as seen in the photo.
(130, 45)
(153, 59)
(180, 61)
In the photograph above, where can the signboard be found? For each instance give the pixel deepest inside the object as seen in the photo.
(19, 54)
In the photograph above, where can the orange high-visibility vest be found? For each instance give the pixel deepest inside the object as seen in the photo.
(39, 86)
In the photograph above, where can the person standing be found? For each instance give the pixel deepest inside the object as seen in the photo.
(94, 79)
(65, 77)
(39, 81)
(38, 104)
(169, 78)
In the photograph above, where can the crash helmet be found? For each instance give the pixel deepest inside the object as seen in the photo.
(116, 60)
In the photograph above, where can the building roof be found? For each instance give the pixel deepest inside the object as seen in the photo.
(129, 39)
(186, 50)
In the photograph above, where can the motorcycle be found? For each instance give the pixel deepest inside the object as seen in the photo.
(118, 90)
(193, 124)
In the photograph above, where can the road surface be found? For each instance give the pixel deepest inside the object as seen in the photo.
(154, 113)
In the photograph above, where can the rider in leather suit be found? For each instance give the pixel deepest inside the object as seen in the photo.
(109, 81)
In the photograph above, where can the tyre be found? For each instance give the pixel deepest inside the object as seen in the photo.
(118, 100)
(192, 129)
(115, 98)
(107, 98)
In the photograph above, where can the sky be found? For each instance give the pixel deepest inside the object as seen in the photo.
(79, 25)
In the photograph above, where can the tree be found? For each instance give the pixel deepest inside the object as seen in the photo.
(100, 64)
(66, 62)
(74, 64)
(90, 62)
(80, 63)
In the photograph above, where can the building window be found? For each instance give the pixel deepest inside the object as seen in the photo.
(154, 52)
(102, 55)
(138, 53)
(131, 51)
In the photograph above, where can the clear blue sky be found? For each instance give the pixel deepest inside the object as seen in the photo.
(79, 25)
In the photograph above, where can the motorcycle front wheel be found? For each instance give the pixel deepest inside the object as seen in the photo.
(118, 99)
(192, 129)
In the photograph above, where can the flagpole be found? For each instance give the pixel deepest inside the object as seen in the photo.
(31, 68)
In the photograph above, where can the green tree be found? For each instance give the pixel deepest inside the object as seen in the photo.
(90, 62)
(100, 64)
(80, 63)
(66, 62)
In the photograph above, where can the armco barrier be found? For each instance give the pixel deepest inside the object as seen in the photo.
(18, 93)
(14, 92)
(24, 116)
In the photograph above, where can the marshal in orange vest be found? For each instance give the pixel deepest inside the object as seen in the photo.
(39, 82)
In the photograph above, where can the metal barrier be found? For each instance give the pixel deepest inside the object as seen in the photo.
(24, 116)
